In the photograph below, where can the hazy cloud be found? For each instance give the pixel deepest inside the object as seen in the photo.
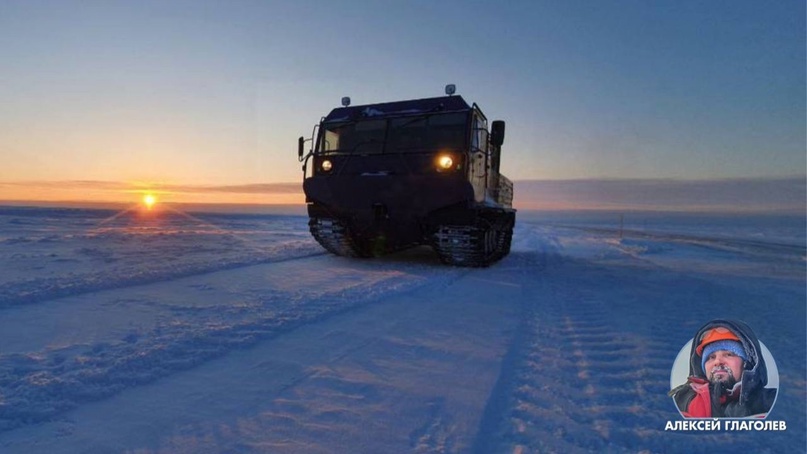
(267, 188)
(739, 195)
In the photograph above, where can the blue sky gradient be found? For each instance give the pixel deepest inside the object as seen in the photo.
(216, 93)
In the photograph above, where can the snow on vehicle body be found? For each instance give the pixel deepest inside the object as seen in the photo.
(389, 176)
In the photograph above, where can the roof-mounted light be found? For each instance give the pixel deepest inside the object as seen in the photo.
(345, 101)
(451, 89)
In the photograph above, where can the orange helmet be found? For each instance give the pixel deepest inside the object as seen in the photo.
(713, 335)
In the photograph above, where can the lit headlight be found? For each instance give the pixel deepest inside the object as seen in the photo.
(326, 165)
(444, 162)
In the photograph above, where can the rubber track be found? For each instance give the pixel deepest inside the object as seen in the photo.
(332, 235)
(472, 246)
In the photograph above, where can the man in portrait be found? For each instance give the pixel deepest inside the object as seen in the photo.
(727, 374)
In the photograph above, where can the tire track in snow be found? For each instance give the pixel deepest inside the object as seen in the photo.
(35, 387)
(570, 372)
(586, 386)
(435, 436)
(579, 377)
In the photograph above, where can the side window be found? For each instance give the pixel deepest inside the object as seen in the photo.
(479, 157)
(334, 136)
(330, 141)
(479, 139)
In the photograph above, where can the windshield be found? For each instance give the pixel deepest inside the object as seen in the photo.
(396, 135)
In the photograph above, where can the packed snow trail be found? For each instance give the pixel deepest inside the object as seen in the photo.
(593, 368)
(117, 339)
(408, 370)
(566, 345)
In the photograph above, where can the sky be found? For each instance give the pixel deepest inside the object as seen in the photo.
(204, 101)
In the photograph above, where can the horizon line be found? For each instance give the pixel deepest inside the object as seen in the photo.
(301, 207)
(736, 195)
(147, 185)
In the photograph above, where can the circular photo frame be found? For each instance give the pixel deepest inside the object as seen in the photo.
(680, 373)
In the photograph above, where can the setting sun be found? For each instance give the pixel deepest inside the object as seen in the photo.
(149, 200)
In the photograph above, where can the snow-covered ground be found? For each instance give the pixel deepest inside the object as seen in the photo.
(177, 332)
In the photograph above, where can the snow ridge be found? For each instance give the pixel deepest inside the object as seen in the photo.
(35, 387)
(45, 288)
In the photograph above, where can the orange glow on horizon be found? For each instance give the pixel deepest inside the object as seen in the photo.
(125, 193)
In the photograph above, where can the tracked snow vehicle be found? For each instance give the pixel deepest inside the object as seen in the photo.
(389, 176)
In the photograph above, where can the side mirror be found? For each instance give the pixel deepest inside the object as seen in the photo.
(300, 146)
(497, 133)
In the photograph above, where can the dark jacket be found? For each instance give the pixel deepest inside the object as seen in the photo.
(754, 398)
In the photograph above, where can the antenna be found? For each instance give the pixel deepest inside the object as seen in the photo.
(451, 89)
(345, 101)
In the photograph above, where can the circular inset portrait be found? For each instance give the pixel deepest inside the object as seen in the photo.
(724, 371)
